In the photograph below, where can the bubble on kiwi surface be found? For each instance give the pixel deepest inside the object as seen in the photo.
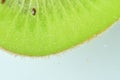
(44, 27)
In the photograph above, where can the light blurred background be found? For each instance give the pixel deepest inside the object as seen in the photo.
(98, 59)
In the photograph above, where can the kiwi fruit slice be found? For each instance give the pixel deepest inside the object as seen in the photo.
(44, 27)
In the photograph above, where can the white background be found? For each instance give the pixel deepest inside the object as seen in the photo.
(98, 59)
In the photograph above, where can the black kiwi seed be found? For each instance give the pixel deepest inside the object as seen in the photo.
(3, 1)
(33, 11)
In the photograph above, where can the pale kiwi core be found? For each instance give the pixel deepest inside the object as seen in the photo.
(44, 27)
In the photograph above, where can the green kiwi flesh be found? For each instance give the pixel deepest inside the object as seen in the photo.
(44, 27)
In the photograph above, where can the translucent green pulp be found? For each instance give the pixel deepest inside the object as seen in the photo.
(56, 26)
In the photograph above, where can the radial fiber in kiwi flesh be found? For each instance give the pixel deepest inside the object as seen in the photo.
(44, 27)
